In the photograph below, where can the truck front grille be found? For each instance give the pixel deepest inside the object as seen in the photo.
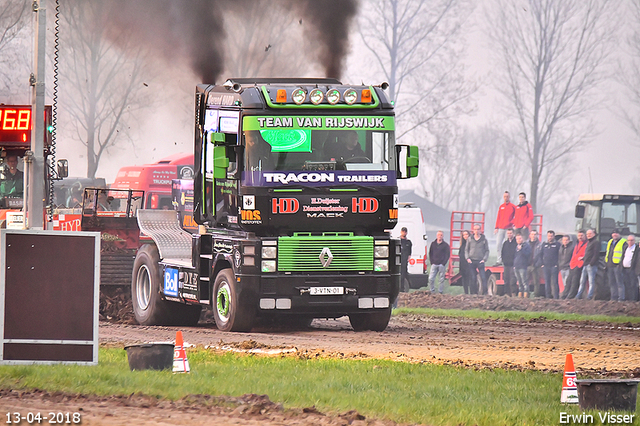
(303, 253)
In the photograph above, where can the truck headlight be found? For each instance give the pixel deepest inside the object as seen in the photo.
(350, 96)
(333, 96)
(316, 96)
(381, 251)
(268, 266)
(380, 265)
(298, 96)
(269, 252)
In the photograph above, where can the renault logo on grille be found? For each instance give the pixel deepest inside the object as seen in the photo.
(326, 257)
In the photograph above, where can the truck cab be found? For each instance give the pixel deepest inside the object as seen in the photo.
(294, 189)
(155, 179)
(605, 212)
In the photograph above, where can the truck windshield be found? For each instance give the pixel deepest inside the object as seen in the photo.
(621, 215)
(318, 143)
(270, 150)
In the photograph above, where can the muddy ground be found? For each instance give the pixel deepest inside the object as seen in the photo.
(599, 349)
(423, 299)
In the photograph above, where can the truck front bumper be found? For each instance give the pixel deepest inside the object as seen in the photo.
(343, 294)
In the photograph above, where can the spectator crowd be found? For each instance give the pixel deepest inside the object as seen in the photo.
(534, 268)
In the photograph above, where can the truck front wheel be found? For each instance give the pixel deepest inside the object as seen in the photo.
(375, 321)
(229, 312)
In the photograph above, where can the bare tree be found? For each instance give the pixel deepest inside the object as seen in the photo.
(629, 74)
(463, 174)
(102, 76)
(12, 13)
(551, 56)
(416, 45)
(13, 48)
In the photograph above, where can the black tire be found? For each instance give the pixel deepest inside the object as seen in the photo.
(479, 285)
(374, 321)
(492, 286)
(230, 313)
(148, 306)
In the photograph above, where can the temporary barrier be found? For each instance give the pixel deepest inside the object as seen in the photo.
(49, 297)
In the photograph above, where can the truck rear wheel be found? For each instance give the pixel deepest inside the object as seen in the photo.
(229, 312)
(374, 321)
(148, 306)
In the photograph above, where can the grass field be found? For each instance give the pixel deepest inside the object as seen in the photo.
(423, 393)
(514, 315)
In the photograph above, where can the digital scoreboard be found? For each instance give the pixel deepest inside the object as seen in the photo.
(16, 125)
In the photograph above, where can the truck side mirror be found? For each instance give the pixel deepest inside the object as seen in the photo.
(407, 161)
(63, 169)
(579, 211)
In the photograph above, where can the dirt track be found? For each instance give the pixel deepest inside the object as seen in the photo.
(481, 343)
(598, 349)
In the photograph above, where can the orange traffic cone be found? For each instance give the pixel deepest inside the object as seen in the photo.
(569, 393)
(180, 361)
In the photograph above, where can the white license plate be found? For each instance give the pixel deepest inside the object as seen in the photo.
(319, 291)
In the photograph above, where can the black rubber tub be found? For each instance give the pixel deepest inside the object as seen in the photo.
(150, 356)
(608, 394)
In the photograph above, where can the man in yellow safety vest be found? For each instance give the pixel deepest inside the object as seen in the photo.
(615, 249)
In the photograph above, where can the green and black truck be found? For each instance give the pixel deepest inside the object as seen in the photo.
(295, 191)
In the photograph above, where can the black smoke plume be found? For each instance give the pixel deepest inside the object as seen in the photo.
(194, 29)
(177, 29)
(328, 21)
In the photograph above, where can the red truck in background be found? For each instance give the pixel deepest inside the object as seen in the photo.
(155, 179)
(147, 186)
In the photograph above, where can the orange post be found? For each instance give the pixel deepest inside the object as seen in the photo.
(180, 361)
(569, 393)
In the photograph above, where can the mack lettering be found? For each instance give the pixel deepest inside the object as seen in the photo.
(324, 215)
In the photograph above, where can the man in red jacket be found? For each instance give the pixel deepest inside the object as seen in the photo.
(576, 265)
(504, 221)
(523, 216)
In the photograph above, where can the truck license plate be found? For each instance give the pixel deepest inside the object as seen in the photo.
(319, 291)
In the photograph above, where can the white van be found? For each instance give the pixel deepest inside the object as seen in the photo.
(410, 217)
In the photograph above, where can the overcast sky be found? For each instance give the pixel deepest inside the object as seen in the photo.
(170, 128)
(604, 159)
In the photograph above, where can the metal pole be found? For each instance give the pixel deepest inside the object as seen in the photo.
(35, 162)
